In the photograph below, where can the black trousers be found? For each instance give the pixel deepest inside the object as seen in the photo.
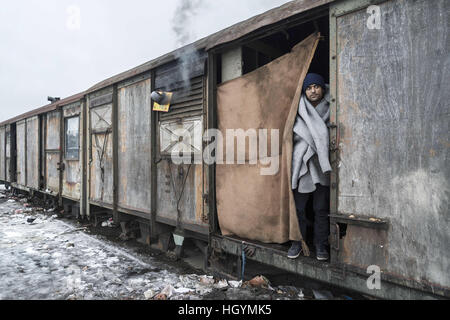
(321, 206)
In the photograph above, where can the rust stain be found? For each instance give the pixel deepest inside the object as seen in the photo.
(198, 193)
(432, 153)
(445, 143)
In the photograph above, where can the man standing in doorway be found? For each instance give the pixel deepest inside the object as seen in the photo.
(311, 165)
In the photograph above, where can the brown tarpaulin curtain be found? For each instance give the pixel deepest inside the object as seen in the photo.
(250, 205)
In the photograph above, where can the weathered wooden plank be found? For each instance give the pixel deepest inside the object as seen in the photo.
(33, 153)
(2, 154)
(53, 120)
(21, 161)
(52, 174)
(72, 172)
(101, 118)
(101, 170)
(134, 114)
(102, 100)
(180, 185)
(8, 153)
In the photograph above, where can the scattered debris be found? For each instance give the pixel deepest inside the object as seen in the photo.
(259, 281)
(183, 290)
(235, 284)
(189, 281)
(208, 280)
(322, 294)
(160, 296)
(73, 230)
(221, 284)
(149, 294)
(168, 291)
(289, 290)
(109, 223)
(18, 211)
(11, 201)
(31, 220)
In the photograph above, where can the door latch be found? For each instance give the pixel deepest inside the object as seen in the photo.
(61, 166)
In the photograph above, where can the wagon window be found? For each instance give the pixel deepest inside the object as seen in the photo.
(72, 134)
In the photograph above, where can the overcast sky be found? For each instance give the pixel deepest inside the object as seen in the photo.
(60, 47)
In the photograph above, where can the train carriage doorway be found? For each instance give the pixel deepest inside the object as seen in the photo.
(258, 82)
(72, 153)
(53, 153)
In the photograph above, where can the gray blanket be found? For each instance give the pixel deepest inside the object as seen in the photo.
(310, 160)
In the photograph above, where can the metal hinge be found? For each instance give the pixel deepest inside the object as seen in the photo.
(61, 166)
(333, 147)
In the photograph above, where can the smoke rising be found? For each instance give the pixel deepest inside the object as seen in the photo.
(182, 22)
(183, 29)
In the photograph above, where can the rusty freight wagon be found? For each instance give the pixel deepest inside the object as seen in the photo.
(107, 152)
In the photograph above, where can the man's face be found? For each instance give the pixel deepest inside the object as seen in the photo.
(315, 93)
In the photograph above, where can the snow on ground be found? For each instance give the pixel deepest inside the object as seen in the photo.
(45, 260)
(49, 259)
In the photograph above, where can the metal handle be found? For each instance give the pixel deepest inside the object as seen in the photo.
(337, 238)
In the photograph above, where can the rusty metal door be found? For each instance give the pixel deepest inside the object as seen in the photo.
(391, 175)
(53, 152)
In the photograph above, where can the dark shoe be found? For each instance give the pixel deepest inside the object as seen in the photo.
(295, 250)
(322, 254)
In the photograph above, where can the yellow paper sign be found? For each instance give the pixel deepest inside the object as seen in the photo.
(163, 108)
